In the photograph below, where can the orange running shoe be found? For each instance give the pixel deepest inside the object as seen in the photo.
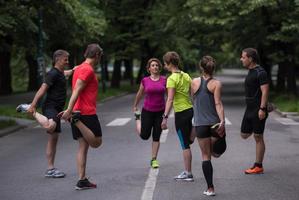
(254, 170)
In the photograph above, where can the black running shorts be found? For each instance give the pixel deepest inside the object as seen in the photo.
(251, 122)
(51, 112)
(92, 122)
(203, 131)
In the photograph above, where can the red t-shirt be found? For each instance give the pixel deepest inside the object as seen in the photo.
(86, 102)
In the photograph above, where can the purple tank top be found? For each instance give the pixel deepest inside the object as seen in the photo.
(154, 99)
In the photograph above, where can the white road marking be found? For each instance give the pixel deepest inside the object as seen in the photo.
(287, 121)
(38, 126)
(150, 185)
(164, 136)
(227, 122)
(119, 122)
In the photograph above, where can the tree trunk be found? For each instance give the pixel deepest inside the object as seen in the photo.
(116, 75)
(281, 74)
(265, 63)
(105, 67)
(5, 72)
(291, 79)
(128, 75)
(142, 70)
(287, 68)
(148, 53)
(32, 65)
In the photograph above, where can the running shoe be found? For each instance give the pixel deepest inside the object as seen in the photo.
(85, 184)
(209, 193)
(154, 164)
(137, 115)
(75, 117)
(54, 173)
(184, 176)
(254, 170)
(22, 108)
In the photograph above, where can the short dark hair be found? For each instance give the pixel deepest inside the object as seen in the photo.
(208, 64)
(93, 50)
(253, 54)
(58, 54)
(154, 60)
(172, 57)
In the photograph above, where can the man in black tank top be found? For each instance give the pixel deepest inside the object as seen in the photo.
(256, 95)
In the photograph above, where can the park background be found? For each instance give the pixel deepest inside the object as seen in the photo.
(132, 31)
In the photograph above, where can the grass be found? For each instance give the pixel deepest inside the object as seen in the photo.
(10, 111)
(285, 102)
(6, 123)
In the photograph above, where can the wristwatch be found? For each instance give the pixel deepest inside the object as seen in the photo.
(165, 116)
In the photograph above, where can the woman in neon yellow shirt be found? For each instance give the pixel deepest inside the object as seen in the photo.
(178, 96)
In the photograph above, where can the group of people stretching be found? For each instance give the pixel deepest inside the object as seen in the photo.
(198, 110)
(197, 105)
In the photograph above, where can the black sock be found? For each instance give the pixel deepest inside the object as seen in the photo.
(207, 169)
(258, 165)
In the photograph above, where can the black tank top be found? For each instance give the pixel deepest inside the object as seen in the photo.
(204, 105)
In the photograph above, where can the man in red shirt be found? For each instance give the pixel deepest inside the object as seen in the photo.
(81, 111)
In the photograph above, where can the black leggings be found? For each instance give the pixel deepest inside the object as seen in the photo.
(151, 123)
(183, 125)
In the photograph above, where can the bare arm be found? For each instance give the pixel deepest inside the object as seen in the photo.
(168, 106)
(219, 108)
(218, 102)
(68, 73)
(169, 101)
(80, 85)
(138, 97)
(264, 100)
(39, 94)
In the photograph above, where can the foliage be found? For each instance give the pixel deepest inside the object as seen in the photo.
(286, 102)
(10, 111)
(138, 30)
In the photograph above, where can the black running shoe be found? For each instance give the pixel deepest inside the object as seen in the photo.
(75, 117)
(85, 184)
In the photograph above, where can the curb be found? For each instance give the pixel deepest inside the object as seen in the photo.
(291, 115)
(21, 123)
(11, 129)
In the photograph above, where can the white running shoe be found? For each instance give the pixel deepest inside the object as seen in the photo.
(209, 193)
(23, 108)
(184, 176)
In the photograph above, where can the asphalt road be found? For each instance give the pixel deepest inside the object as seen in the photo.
(121, 166)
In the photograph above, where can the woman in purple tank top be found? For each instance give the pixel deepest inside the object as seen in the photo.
(148, 122)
